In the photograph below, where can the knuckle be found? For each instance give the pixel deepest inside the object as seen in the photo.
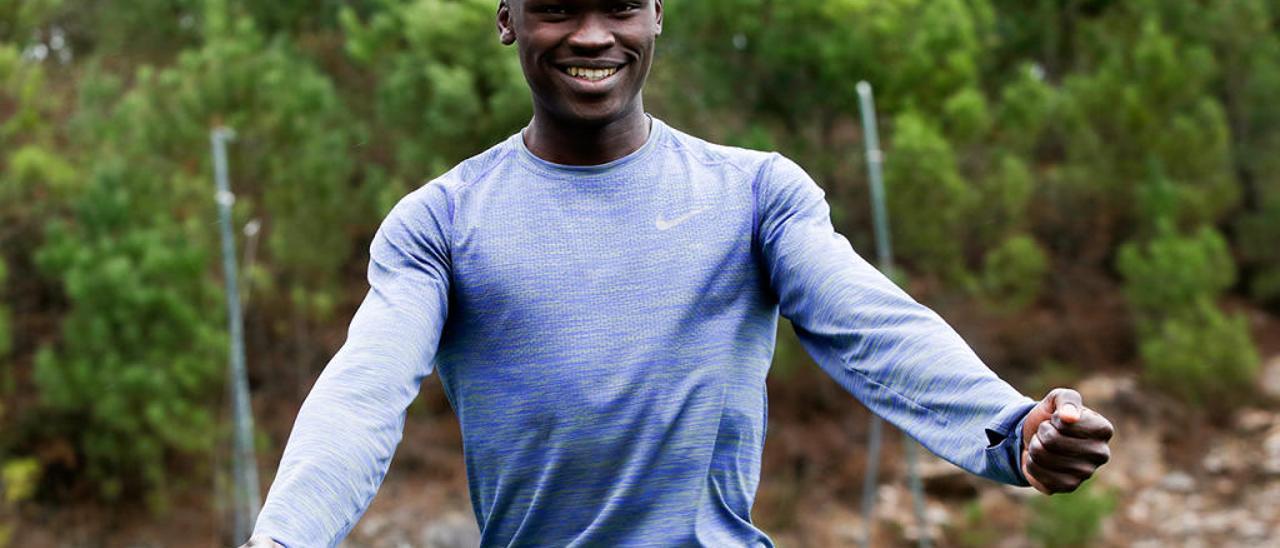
(1036, 445)
(1034, 456)
(1051, 440)
(1109, 431)
(1104, 456)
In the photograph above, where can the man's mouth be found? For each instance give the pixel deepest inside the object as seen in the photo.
(590, 74)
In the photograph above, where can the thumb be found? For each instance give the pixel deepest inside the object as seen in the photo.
(1063, 403)
(1067, 404)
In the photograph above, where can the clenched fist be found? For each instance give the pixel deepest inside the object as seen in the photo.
(1063, 442)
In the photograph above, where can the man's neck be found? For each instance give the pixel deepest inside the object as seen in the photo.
(561, 142)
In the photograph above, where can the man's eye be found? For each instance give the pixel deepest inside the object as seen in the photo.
(552, 10)
(627, 7)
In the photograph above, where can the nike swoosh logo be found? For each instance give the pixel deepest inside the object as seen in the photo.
(664, 224)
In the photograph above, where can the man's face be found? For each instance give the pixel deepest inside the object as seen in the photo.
(585, 60)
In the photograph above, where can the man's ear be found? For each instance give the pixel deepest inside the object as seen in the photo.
(506, 33)
(657, 5)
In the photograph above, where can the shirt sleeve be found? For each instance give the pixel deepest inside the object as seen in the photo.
(352, 420)
(895, 355)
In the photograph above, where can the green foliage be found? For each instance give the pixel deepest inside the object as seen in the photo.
(146, 28)
(139, 353)
(6, 338)
(1087, 125)
(22, 84)
(929, 201)
(1189, 346)
(446, 87)
(1050, 374)
(1259, 237)
(974, 529)
(1014, 272)
(1070, 519)
(1173, 273)
(1204, 357)
(18, 479)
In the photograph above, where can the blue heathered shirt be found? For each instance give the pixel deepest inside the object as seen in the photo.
(603, 334)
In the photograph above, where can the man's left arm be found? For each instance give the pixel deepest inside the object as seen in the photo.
(900, 358)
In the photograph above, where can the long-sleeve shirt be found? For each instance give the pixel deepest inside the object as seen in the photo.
(603, 334)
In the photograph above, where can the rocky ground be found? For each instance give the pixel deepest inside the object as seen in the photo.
(1176, 481)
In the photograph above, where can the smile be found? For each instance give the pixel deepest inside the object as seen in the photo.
(590, 74)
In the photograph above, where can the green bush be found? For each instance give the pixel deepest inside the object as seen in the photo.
(1260, 247)
(974, 529)
(1189, 346)
(929, 201)
(1070, 519)
(1170, 274)
(6, 337)
(1013, 274)
(1204, 357)
(18, 479)
(141, 346)
(446, 88)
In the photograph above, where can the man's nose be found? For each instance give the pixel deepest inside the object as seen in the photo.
(592, 34)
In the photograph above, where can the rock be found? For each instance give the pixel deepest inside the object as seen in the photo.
(1271, 451)
(1178, 482)
(1137, 459)
(452, 530)
(943, 479)
(1250, 421)
(1105, 390)
(1225, 458)
(1271, 377)
(1252, 529)
(373, 525)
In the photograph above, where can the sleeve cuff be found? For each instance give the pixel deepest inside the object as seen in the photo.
(1005, 437)
(1017, 453)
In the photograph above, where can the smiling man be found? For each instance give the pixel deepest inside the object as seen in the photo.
(599, 294)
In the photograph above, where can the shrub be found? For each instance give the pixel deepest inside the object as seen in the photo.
(1170, 274)
(140, 350)
(6, 341)
(18, 478)
(1070, 519)
(929, 201)
(1189, 346)
(1013, 273)
(1204, 357)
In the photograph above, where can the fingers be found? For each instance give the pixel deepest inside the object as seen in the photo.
(1032, 479)
(1053, 449)
(1067, 404)
(1054, 481)
(1056, 462)
(1090, 425)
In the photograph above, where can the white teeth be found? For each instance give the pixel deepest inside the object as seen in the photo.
(590, 74)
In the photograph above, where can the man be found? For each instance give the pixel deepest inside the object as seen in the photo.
(599, 294)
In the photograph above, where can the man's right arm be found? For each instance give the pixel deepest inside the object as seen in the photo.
(352, 421)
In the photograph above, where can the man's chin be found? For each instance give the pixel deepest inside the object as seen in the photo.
(590, 114)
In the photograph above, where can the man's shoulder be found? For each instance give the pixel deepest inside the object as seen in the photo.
(479, 165)
(710, 153)
(441, 189)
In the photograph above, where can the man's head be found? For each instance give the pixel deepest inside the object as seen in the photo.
(586, 61)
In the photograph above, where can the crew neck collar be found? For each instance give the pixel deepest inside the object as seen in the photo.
(552, 169)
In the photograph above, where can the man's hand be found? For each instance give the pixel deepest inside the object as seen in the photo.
(261, 541)
(1063, 442)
